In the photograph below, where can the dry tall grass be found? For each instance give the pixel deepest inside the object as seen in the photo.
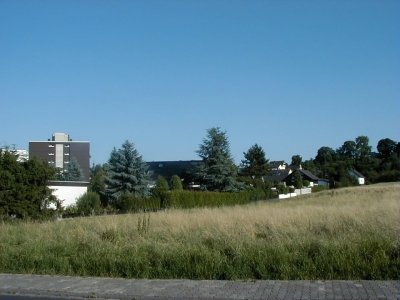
(346, 233)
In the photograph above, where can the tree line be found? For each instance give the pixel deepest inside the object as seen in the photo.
(124, 182)
(380, 166)
(125, 176)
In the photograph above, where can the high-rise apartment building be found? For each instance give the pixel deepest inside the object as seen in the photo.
(60, 149)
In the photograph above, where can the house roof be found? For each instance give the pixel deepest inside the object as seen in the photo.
(182, 168)
(356, 173)
(277, 175)
(309, 174)
(276, 163)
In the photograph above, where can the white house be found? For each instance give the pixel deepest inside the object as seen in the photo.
(360, 177)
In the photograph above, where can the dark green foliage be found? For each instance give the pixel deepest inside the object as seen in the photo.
(88, 204)
(298, 182)
(296, 161)
(126, 202)
(193, 199)
(162, 184)
(255, 164)
(357, 155)
(73, 172)
(219, 171)
(97, 182)
(126, 173)
(348, 151)
(23, 188)
(160, 191)
(97, 177)
(176, 183)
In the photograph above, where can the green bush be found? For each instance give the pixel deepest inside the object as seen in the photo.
(176, 183)
(88, 204)
(191, 199)
(128, 202)
(319, 188)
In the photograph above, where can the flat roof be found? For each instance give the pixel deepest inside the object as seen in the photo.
(59, 142)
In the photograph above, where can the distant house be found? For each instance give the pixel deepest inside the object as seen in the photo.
(278, 175)
(185, 169)
(60, 149)
(305, 175)
(277, 165)
(286, 176)
(360, 177)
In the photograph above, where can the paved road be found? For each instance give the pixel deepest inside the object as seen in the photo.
(21, 287)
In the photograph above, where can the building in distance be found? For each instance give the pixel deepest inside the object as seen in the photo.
(60, 150)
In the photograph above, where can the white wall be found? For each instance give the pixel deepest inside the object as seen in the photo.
(286, 196)
(296, 193)
(302, 191)
(68, 194)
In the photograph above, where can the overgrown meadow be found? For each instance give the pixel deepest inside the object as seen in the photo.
(351, 233)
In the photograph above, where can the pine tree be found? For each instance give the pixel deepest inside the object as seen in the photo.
(73, 172)
(127, 173)
(218, 172)
(255, 164)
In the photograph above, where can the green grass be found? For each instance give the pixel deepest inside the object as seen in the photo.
(351, 233)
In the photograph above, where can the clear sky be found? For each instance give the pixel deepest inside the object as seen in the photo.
(292, 76)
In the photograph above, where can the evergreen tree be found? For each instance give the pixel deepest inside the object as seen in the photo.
(298, 181)
(255, 164)
(97, 184)
(127, 173)
(97, 177)
(73, 172)
(218, 173)
(176, 183)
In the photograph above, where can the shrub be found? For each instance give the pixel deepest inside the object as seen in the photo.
(127, 202)
(176, 183)
(191, 199)
(89, 203)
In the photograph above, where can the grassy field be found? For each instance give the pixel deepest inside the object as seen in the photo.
(351, 233)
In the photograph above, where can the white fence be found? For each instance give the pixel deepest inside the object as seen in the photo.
(297, 192)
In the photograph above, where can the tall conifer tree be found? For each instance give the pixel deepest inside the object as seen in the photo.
(218, 173)
(127, 173)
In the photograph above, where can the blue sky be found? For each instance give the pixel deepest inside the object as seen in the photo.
(292, 76)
